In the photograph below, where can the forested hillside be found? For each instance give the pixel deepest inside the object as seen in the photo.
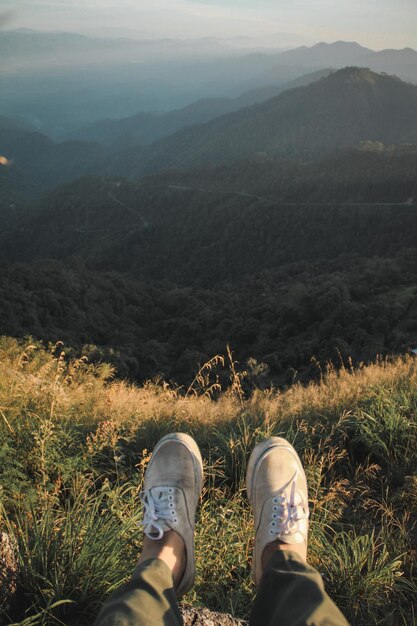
(285, 259)
(372, 173)
(145, 128)
(340, 111)
(43, 162)
(208, 227)
(347, 308)
(308, 260)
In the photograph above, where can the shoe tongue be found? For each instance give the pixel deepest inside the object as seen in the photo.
(293, 538)
(156, 493)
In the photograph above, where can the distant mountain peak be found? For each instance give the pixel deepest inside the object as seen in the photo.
(351, 105)
(354, 74)
(351, 45)
(352, 71)
(337, 53)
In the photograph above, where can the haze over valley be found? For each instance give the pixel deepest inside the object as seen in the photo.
(61, 82)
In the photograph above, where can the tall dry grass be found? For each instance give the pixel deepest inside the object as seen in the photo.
(75, 442)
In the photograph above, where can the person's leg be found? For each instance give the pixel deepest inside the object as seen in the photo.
(166, 568)
(148, 598)
(290, 592)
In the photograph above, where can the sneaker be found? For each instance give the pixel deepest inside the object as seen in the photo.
(277, 490)
(173, 483)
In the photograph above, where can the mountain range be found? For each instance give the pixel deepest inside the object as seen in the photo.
(23, 49)
(286, 228)
(402, 63)
(336, 112)
(339, 111)
(145, 128)
(62, 83)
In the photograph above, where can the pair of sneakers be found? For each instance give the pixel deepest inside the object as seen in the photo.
(276, 488)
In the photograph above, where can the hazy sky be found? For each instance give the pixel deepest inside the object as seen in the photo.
(375, 23)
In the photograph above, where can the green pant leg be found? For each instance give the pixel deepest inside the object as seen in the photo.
(147, 599)
(292, 593)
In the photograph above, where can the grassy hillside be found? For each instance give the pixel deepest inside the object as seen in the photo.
(74, 445)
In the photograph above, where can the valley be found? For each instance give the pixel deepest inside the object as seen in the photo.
(211, 249)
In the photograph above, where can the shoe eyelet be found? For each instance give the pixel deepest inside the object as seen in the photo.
(273, 523)
(175, 521)
(275, 500)
(171, 497)
(274, 516)
(171, 490)
(271, 532)
(275, 508)
(171, 505)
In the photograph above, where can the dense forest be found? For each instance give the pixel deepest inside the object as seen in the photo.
(291, 260)
(349, 307)
(195, 229)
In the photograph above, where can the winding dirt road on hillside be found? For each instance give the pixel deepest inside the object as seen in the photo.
(244, 194)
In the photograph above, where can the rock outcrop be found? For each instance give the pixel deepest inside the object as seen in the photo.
(8, 572)
(203, 617)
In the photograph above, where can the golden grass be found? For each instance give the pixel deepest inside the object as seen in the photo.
(71, 432)
(45, 383)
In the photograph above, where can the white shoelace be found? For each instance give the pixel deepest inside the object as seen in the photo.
(158, 506)
(286, 513)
